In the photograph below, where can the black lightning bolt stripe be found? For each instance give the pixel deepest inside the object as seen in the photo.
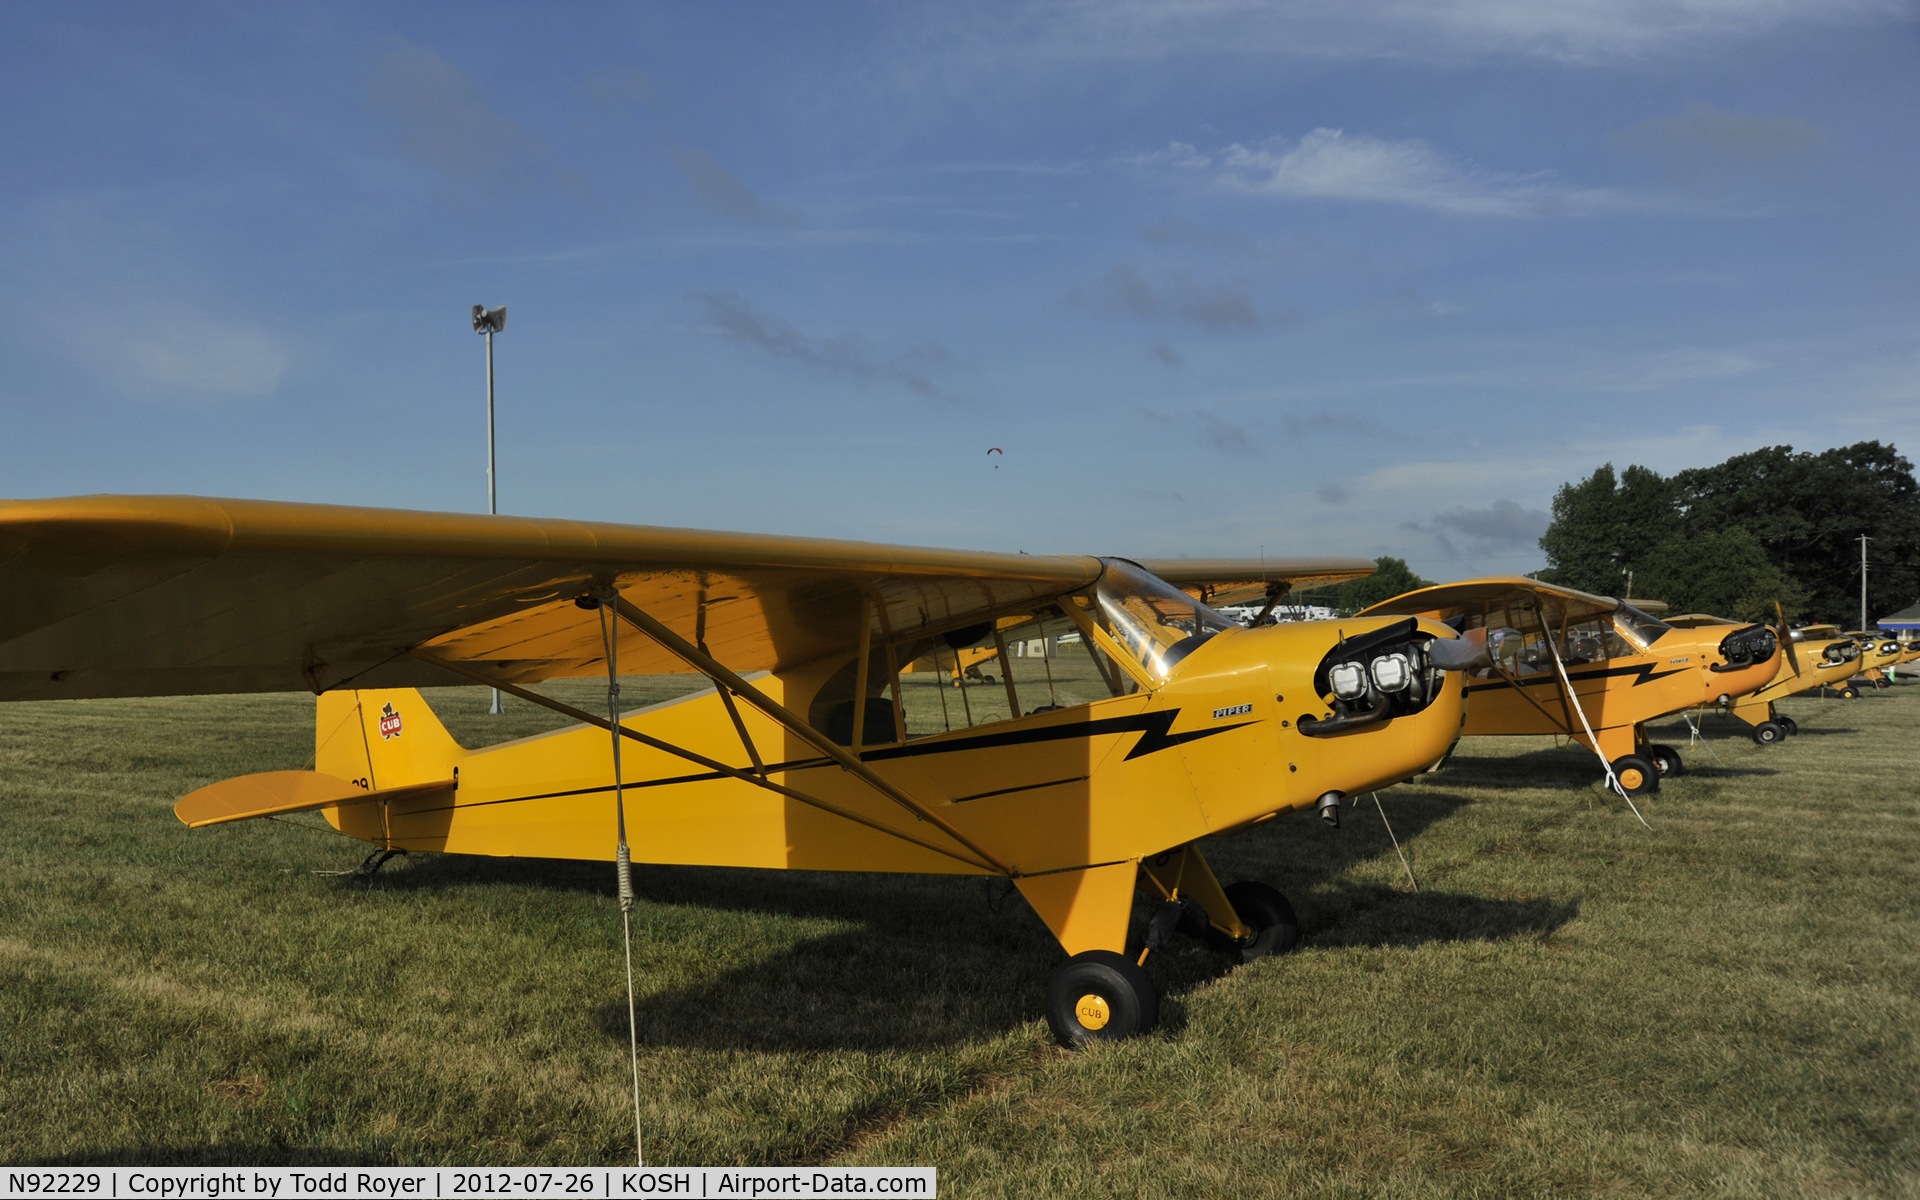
(1154, 728)
(1645, 672)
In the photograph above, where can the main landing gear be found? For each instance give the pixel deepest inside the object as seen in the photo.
(1637, 775)
(1665, 760)
(1103, 996)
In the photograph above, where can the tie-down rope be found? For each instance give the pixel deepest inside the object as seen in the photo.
(1592, 741)
(622, 860)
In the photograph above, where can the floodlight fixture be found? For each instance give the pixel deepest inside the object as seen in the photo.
(489, 321)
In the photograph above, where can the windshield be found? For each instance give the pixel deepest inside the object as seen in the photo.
(1158, 622)
(1638, 627)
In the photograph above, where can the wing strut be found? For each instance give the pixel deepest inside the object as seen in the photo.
(1513, 682)
(722, 677)
(587, 718)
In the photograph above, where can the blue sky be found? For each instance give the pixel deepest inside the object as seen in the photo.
(1218, 278)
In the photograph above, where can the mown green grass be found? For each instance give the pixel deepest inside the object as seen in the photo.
(1569, 1005)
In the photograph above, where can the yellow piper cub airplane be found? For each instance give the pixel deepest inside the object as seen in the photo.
(1590, 668)
(1879, 650)
(1816, 656)
(801, 755)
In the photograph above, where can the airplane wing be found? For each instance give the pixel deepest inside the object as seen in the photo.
(1219, 581)
(1695, 620)
(174, 595)
(1510, 602)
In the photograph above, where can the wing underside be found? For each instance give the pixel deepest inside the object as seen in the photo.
(174, 595)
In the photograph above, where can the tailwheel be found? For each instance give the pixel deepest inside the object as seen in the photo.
(1790, 725)
(1637, 775)
(1100, 996)
(1276, 929)
(1665, 760)
(1766, 733)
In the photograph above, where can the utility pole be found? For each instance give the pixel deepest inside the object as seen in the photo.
(1864, 539)
(490, 321)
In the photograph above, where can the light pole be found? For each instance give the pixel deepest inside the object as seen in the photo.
(490, 321)
(1864, 539)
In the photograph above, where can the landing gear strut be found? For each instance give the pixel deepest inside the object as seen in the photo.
(1276, 928)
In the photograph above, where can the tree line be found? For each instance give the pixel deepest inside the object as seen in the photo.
(1732, 539)
(1773, 526)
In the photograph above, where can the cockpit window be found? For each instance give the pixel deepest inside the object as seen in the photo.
(1157, 622)
(1639, 628)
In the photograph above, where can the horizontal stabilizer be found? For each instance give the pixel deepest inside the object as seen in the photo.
(271, 793)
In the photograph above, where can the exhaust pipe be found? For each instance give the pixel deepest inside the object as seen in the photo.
(1328, 806)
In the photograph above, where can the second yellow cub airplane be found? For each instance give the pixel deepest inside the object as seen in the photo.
(1590, 668)
(1880, 651)
(808, 752)
(1816, 656)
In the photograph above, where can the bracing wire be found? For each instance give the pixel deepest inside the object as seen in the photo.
(623, 862)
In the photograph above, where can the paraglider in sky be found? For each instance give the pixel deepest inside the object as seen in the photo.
(991, 450)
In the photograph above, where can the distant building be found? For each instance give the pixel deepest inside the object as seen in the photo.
(1906, 618)
(1247, 613)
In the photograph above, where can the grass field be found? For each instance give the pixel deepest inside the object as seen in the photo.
(1570, 1005)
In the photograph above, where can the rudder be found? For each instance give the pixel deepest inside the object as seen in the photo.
(380, 739)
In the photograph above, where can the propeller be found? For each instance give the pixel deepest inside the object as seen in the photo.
(1786, 637)
(1475, 648)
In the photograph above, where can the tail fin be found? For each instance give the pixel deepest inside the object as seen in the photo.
(382, 739)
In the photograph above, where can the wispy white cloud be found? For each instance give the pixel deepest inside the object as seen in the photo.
(1502, 527)
(1702, 138)
(1170, 293)
(1666, 369)
(171, 352)
(443, 121)
(104, 285)
(719, 191)
(1008, 168)
(1329, 164)
(1572, 31)
(922, 368)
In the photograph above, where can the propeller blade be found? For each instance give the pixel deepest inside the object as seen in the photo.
(1474, 649)
(1786, 637)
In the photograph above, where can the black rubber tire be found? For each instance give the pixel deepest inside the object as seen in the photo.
(1768, 733)
(1103, 981)
(1790, 725)
(1666, 760)
(1637, 776)
(1849, 693)
(1276, 926)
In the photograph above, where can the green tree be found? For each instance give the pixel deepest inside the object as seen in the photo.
(1718, 571)
(1393, 578)
(1604, 526)
(1803, 513)
(1808, 511)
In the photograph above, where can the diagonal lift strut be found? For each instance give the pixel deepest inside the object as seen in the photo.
(723, 678)
(587, 718)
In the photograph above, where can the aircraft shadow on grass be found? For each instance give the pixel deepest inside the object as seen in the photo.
(1572, 767)
(941, 960)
